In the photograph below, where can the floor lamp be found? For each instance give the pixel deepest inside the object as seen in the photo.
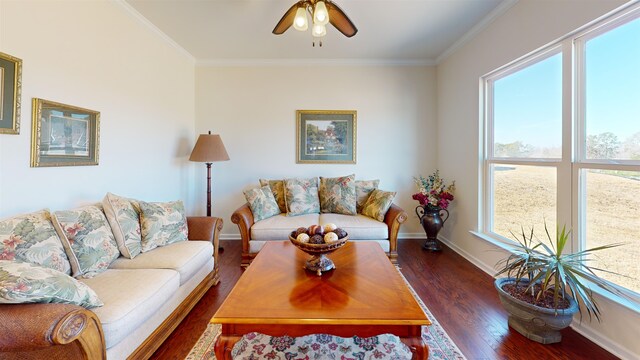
(209, 149)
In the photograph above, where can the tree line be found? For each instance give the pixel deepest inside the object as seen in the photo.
(605, 145)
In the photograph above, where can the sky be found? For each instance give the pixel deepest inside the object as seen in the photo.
(528, 104)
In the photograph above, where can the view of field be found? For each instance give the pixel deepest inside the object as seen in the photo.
(526, 195)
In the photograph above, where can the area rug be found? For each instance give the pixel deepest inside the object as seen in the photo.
(441, 347)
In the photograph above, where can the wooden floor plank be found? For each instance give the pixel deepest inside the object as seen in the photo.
(459, 295)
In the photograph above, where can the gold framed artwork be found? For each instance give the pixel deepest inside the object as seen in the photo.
(63, 135)
(10, 93)
(326, 136)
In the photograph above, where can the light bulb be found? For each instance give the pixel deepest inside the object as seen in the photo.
(300, 23)
(320, 14)
(319, 30)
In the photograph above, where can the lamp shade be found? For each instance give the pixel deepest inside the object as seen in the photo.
(209, 148)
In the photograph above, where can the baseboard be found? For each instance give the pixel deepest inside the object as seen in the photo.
(604, 342)
(474, 260)
(412, 236)
(230, 237)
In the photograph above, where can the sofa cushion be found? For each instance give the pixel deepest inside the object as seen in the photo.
(124, 217)
(338, 195)
(358, 227)
(256, 245)
(22, 282)
(301, 196)
(87, 238)
(162, 224)
(277, 188)
(363, 189)
(378, 204)
(280, 226)
(185, 257)
(130, 297)
(262, 203)
(32, 238)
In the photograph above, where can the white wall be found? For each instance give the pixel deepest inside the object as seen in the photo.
(96, 55)
(254, 110)
(525, 27)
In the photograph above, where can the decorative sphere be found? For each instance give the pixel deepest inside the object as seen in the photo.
(329, 227)
(340, 232)
(330, 237)
(316, 239)
(315, 230)
(300, 230)
(303, 238)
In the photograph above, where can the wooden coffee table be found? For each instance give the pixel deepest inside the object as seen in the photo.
(365, 296)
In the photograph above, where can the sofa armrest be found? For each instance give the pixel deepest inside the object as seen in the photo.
(394, 218)
(243, 217)
(206, 228)
(31, 327)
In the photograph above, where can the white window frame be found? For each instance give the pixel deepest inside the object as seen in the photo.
(488, 141)
(571, 184)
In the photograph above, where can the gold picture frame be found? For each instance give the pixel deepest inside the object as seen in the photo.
(64, 135)
(326, 136)
(10, 93)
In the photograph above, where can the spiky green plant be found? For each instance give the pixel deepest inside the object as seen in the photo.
(547, 266)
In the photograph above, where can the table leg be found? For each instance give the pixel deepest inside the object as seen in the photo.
(224, 345)
(418, 347)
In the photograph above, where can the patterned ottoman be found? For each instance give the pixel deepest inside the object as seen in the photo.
(319, 346)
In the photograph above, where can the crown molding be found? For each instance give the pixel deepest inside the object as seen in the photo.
(154, 29)
(312, 62)
(483, 24)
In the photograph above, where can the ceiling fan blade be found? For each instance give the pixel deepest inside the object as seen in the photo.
(339, 20)
(287, 19)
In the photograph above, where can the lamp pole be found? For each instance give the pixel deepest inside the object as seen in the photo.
(209, 187)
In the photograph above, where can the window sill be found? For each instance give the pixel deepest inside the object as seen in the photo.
(492, 240)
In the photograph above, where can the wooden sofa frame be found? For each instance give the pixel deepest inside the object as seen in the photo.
(243, 217)
(62, 331)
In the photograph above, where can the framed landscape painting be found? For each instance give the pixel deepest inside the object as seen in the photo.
(326, 136)
(63, 135)
(10, 91)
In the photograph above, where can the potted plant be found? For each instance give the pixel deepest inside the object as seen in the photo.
(543, 283)
(434, 197)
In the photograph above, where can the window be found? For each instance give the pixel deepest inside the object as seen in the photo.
(526, 144)
(562, 144)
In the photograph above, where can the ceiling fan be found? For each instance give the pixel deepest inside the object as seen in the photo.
(322, 12)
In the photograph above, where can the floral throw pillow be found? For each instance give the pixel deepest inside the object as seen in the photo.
(32, 238)
(124, 217)
(277, 187)
(162, 224)
(87, 237)
(22, 282)
(338, 195)
(301, 196)
(378, 204)
(363, 189)
(263, 204)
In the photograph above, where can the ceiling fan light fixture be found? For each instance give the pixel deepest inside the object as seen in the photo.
(320, 13)
(319, 30)
(301, 23)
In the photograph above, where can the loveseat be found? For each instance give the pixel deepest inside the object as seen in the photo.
(384, 230)
(144, 299)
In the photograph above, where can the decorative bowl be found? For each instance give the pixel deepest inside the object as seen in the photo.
(319, 262)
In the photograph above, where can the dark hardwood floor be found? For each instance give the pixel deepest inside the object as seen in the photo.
(460, 296)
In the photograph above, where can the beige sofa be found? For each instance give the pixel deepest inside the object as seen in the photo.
(359, 227)
(145, 298)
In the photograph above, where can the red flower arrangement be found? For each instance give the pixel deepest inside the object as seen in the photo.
(432, 191)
